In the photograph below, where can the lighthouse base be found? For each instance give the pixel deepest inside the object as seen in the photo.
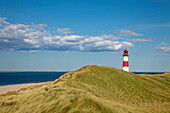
(126, 68)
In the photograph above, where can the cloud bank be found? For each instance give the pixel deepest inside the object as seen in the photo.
(32, 38)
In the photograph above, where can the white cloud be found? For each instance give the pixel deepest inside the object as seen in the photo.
(3, 22)
(4, 40)
(11, 49)
(28, 51)
(39, 26)
(2, 19)
(162, 44)
(32, 38)
(129, 33)
(21, 31)
(32, 41)
(65, 52)
(104, 43)
(64, 31)
(72, 37)
(164, 49)
(88, 39)
(112, 45)
(139, 40)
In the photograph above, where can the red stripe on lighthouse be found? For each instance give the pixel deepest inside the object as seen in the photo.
(125, 64)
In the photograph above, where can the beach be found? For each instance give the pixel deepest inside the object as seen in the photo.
(15, 87)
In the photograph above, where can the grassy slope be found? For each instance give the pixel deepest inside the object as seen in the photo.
(97, 89)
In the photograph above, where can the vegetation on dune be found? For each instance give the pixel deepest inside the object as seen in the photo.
(94, 89)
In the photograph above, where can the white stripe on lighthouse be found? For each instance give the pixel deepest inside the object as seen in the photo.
(126, 68)
(125, 58)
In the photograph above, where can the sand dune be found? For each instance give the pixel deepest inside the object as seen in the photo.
(93, 89)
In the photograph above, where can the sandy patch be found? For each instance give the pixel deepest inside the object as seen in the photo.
(5, 89)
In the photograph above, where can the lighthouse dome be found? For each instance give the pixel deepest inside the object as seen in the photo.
(125, 50)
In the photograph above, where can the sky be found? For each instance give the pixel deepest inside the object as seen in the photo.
(64, 35)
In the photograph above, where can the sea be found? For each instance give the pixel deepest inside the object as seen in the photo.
(10, 78)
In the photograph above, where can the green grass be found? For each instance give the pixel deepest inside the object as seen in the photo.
(94, 89)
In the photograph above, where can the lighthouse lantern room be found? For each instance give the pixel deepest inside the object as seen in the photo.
(125, 60)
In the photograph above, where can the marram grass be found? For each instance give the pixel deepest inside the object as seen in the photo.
(93, 89)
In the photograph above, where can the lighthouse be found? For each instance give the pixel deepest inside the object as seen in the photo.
(125, 60)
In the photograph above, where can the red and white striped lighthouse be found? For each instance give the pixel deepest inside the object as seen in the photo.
(125, 60)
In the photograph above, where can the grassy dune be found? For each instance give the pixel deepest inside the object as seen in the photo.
(94, 89)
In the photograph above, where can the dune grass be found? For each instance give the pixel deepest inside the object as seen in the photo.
(94, 89)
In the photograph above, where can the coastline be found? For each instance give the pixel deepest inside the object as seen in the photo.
(16, 87)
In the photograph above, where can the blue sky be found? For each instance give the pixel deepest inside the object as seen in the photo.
(64, 35)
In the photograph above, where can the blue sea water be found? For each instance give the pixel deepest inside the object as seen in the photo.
(9, 78)
(152, 73)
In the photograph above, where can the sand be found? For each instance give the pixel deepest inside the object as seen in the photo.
(5, 89)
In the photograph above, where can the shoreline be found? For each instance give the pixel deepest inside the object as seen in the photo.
(16, 87)
(23, 83)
